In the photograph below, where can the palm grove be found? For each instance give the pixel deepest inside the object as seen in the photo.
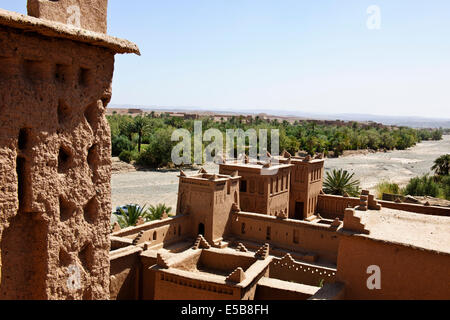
(147, 139)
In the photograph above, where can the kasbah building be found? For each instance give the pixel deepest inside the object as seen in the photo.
(257, 230)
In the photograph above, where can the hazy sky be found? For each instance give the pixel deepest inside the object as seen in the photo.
(311, 56)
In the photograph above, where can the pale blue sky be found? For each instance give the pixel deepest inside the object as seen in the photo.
(310, 56)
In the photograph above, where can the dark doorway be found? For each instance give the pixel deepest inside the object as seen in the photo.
(299, 207)
(201, 229)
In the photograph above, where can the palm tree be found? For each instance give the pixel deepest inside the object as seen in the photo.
(131, 217)
(156, 212)
(140, 126)
(442, 165)
(340, 182)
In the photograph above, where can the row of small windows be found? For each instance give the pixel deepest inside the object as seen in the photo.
(269, 233)
(316, 175)
(155, 233)
(276, 185)
(312, 204)
(279, 184)
(42, 70)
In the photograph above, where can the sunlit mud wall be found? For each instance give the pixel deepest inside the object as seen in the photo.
(54, 167)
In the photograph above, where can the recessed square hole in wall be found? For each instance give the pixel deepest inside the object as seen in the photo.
(64, 112)
(86, 256)
(84, 77)
(63, 73)
(36, 70)
(24, 138)
(21, 185)
(65, 259)
(66, 209)
(64, 159)
(91, 114)
(91, 210)
(93, 157)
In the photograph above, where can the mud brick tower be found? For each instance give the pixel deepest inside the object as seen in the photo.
(55, 83)
(208, 199)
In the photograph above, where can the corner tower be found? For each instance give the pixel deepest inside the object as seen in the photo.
(208, 199)
(306, 185)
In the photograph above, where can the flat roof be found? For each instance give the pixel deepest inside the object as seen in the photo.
(254, 166)
(59, 30)
(408, 228)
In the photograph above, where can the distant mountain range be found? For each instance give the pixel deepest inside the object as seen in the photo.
(414, 122)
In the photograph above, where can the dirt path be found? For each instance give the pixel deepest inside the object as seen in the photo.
(152, 187)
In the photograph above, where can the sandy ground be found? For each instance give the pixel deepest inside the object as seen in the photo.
(153, 187)
(394, 166)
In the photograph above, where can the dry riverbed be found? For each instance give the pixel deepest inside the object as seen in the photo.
(153, 187)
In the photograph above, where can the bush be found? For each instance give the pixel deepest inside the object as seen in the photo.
(159, 151)
(127, 156)
(119, 144)
(387, 187)
(422, 186)
(445, 183)
(341, 182)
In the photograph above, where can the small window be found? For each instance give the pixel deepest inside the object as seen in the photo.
(243, 228)
(154, 235)
(243, 186)
(296, 237)
(269, 231)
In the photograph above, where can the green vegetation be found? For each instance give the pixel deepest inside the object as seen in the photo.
(341, 182)
(134, 212)
(423, 186)
(156, 212)
(441, 165)
(387, 187)
(131, 218)
(132, 134)
(437, 186)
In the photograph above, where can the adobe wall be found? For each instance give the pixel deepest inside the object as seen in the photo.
(306, 185)
(175, 287)
(417, 208)
(406, 272)
(225, 262)
(289, 234)
(208, 202)
(125, 274)
(158, 232)
(272, 289)
(331, 207)
(265, 194)
(303, 273)
(224, 197)
(54, 166)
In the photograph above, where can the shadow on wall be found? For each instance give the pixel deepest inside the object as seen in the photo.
(24, 259)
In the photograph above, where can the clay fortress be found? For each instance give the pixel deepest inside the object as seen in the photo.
(257, 230)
